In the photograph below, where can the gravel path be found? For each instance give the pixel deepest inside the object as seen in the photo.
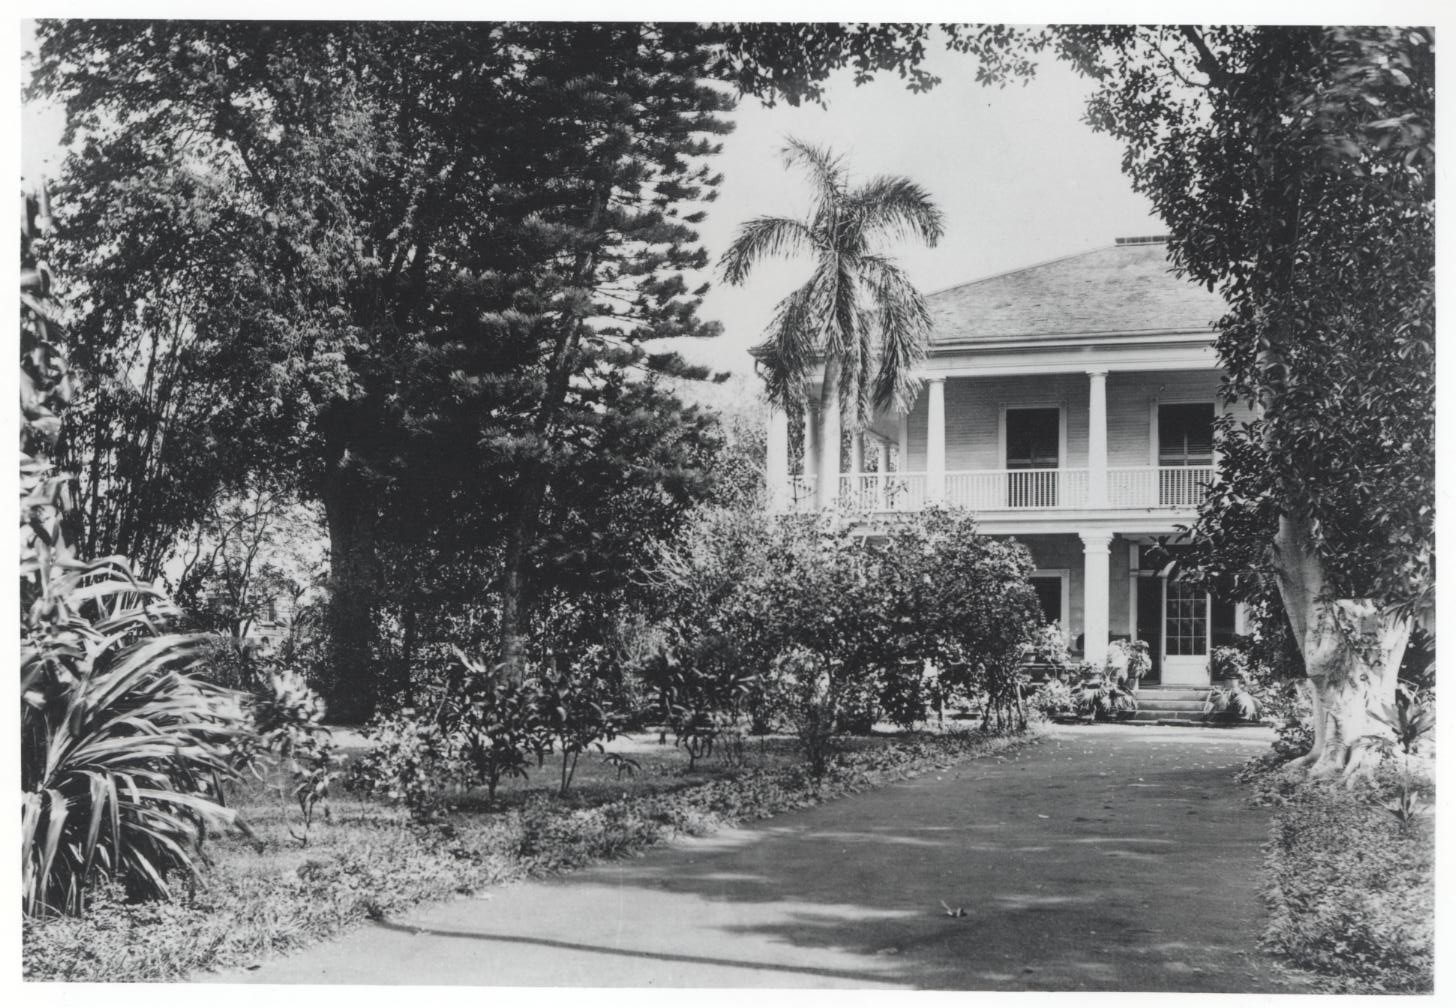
(1104, 858)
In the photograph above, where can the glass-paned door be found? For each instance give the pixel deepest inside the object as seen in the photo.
(1033, 446)
(1185, 633)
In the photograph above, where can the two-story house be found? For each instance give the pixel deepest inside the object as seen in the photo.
(1071, 405)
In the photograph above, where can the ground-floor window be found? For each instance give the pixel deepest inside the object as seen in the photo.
(1049, 593)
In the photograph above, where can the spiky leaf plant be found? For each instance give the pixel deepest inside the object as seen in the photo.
(123, 752)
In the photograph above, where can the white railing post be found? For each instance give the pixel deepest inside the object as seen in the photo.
(935, 442)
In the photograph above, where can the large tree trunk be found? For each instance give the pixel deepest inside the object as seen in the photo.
(514, 611)
(1352, 650)
(352, 689)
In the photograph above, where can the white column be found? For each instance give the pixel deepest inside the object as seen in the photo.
(935, 442)
(1097, 440)
(778, 459)
(1095, 596)
(903, 464)
(827, 492)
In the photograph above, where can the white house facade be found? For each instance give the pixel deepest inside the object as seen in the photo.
(1071, 406)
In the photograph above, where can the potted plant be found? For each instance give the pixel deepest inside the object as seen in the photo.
(1228, 664)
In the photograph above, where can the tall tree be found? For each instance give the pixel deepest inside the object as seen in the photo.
(858, 310)
(1294, 168)
(483, 198)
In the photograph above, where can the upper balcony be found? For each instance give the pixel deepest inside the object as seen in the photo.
(1122, 451)
(1174, 489)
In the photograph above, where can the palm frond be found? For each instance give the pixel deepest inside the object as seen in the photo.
(903, 329)
(862, 404)
(894, 205)
(761, 238)
(825, 168)
(839, 307)
(783, 358)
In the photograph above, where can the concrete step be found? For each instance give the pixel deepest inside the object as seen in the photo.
(1145, 716)
(1173, 693)
(1171, 706)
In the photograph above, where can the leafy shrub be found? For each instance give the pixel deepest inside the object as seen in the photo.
(289, 744)
(1130, 660)
(577, 714)
(498, 725)
(1233, 702)
(1230, 661)
(1052, 699)
(413, 762)
(741, 591)
(1351, 894)
(705, 703)
(1294, 738)
(807, 693)
(1095, 697)
(1048, 646)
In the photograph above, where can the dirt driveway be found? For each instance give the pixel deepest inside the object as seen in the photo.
(1105, 858)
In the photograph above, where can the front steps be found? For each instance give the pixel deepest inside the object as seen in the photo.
(1171, 705)
(1178, 706)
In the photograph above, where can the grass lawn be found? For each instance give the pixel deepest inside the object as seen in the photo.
(275, 892)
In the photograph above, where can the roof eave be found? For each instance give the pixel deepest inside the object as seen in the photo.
(1031, 339)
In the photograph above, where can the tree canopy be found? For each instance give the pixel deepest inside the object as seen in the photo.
(358, 212)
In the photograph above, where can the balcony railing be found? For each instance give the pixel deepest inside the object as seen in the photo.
(1016, 489)
(1167, 487)
(1158, 486)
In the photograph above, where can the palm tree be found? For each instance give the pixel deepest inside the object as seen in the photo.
(858, 309)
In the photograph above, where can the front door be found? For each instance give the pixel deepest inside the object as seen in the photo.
(1033, 446)
(1185, 634)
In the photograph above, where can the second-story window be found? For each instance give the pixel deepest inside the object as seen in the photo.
(1185, 434)
(1033, 442)
(1185, 450)
(1032, 438)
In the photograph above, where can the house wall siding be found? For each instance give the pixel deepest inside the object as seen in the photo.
(973, 414)
(1064, 552)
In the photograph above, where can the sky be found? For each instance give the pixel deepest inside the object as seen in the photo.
(1018, 176)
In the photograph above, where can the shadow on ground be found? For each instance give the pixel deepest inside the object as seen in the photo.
(1106, 858)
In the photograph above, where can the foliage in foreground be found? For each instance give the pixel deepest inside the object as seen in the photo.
(122, 748)
(1351, 887)
(742, 591)
(249, 912)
